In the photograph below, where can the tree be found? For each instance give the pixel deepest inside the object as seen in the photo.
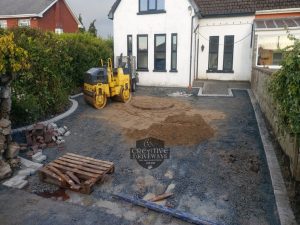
(82, 28)
(12, 58)
(92, 29)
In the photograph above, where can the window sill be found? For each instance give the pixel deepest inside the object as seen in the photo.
(219, 71)
(142, 70)
(151, 12)
(160, 71)
(173, 71)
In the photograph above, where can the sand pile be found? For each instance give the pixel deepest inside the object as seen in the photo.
(174, 121)
(176, 130)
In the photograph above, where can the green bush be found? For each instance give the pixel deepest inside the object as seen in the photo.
(284, 86)
(85, 51)
(57, 64)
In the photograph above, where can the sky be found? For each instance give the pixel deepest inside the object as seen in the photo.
(94, 9)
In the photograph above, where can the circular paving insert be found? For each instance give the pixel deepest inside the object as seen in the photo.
(150, 104)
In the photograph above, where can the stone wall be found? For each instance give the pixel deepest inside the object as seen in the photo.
(8, 150)
(288, 142)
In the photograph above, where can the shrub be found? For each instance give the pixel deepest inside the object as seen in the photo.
(57, 66)
(284, 87)
(85, 51)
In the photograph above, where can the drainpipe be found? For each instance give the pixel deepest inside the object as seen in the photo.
(195, 49)
(191, 50)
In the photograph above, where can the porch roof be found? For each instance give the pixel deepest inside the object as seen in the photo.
(277, 23)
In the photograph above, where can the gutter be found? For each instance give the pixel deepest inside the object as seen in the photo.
(19, 16)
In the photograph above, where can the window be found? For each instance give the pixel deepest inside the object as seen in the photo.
(270, 50)
(228, 53)
(129, 45)
(3, 24)
(152, 5)
(24, 23)
(213, 53)
(142, 52)
(174, 52)
(160, 52)
(59, 31)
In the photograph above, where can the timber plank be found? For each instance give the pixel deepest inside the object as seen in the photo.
(91, 159)
(79, 167)
(87, 174)
(87, 161)
(84, 164)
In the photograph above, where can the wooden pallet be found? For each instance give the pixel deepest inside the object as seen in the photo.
(75, 172)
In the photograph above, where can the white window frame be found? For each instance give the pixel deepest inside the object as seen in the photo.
(3, 24)
(24, 22)
(59, 31)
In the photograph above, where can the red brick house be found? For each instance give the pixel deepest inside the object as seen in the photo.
(48, 15)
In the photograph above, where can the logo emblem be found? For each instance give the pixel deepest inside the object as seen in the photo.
(150, 153)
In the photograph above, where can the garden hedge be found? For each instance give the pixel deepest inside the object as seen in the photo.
(284, 87)
(57, 64)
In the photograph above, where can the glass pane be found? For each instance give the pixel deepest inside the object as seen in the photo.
(143, 43)
(143, 5)
(174, 43)
(142, 60)
(152, 4)
(277, 58)
(160, 44)
(160, 61)
(269, 49)
(228, 57)
(213, 61)
(214, 44)
(229, 43)
(129, 43)
(174, 61)
(160, 4)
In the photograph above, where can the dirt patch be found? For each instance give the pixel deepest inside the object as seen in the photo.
(241, 161)
(175, 121)
(176, 130)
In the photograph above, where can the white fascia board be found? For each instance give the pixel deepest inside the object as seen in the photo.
(45, 10)
(278, 11)
(19, 16)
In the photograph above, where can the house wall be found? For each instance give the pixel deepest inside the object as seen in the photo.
(51, 19)
(241, 28)
(177, 19)
(12, 23)
(58, 17)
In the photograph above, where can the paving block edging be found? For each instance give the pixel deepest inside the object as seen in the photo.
(55, 119)
(284, 209)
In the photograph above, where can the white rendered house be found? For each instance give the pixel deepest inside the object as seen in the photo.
(179, 41)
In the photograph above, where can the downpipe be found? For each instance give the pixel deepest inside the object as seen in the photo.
(191, 50)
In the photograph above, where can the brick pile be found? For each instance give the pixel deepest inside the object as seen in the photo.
(43, 136)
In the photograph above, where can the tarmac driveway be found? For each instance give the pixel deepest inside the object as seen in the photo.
(221, 177)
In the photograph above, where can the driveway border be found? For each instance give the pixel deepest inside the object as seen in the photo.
(284, 209)
(53, 120)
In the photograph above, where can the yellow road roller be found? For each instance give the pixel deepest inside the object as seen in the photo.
(105, 82)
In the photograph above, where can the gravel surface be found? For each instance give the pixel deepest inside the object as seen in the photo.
(224, 178)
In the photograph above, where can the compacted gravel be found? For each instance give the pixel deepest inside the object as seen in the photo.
(222, 178)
